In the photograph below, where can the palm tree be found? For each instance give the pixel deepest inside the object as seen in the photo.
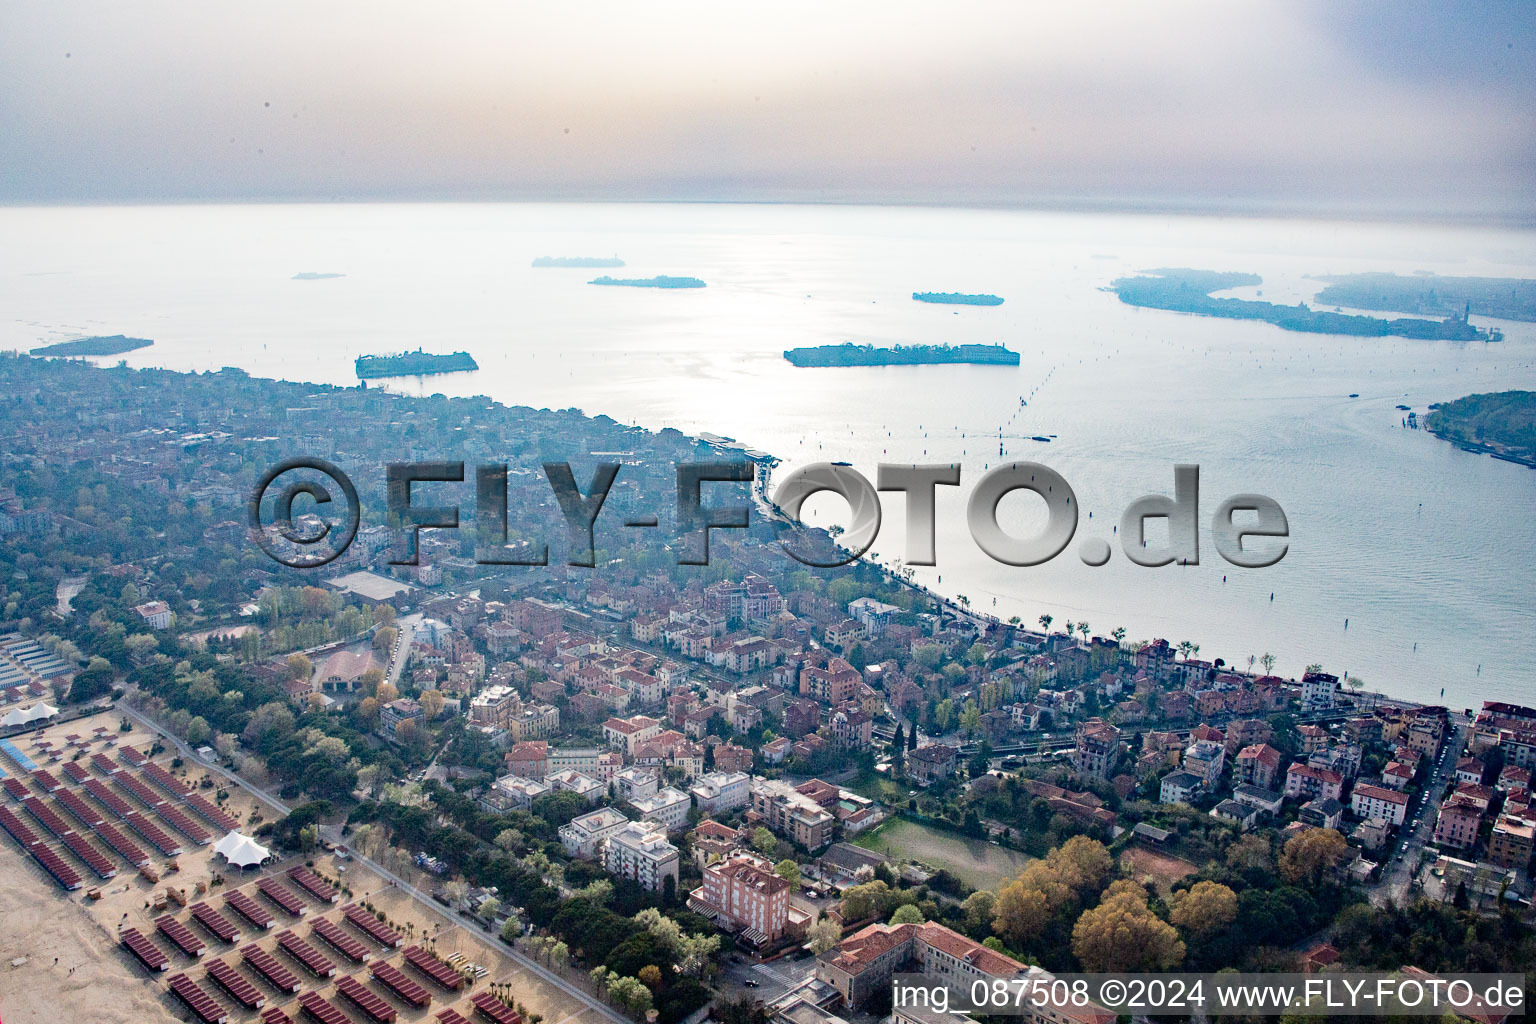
(1119, 634)
(1268, 661)
(1071, 627)
(1184, 648)
(1083, 627)
(1045, 622)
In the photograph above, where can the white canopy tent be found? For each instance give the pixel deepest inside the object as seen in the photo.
(26, 716)
(241, 851)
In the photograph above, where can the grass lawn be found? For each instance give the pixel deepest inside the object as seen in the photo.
(979, 863)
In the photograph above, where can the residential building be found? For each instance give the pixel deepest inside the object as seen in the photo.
(589, 789)
(156, 614)
(1180, 788)
(721, 792)
(520, 792)
(1258, 764)
(836, 683)
(641, 853)
(1323, 812)
(1397, 775)
(589, 761)
(1097, 749)
(492, 707)
(1266, 800)
(732, 758)
(1458, 823)
(1206, 758)
(533, 722)
(397, 712)
(851, 728)
(666, 807)
(628, 734)
(1302, 781)
(1240, 814)
(529, 759)
(743, 895)
(635, 783)
(1469, 769)
(1319, 691)
(873, 615)
(791, 813)
(1369, 801)
(1510, 845)
(930, 763)
(582, 836)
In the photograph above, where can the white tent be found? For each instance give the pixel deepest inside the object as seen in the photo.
(26, 716)
(241, 851)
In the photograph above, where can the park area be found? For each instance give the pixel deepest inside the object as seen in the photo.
(977, 862)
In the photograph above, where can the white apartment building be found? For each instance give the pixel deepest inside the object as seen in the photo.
(640, 851)
(522, 792)
(582, 836)
(1369, 801)
(588, 789)
(635, 783)
(668, 808)
(590, 761)
(720, 792)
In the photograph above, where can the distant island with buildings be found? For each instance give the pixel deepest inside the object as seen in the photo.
(102, 345)
(413, 364)
(1182, 290)
(659, 281)
(1501, 424)
(578, 261)
(849, 354)
(1508, 298)
(958, 299)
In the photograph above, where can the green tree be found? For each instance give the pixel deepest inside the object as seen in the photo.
(764, 841)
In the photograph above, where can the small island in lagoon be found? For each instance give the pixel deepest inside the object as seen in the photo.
(413, 364)
(1181, 290)
(659, 281)
(578, 261)
(1499, 423)
(849, 354)
(311, 275)
(958, 298)
(103, 345)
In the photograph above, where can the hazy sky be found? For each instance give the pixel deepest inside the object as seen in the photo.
(1390, 107)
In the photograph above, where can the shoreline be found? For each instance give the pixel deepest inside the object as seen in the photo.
(1483, 448)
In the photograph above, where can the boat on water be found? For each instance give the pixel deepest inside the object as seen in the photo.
(1037, 437)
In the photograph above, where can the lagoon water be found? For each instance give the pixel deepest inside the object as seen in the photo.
(1427, 551)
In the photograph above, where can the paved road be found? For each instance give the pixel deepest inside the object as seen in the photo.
(1398, 875)
(582, 997)
(402, 652)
